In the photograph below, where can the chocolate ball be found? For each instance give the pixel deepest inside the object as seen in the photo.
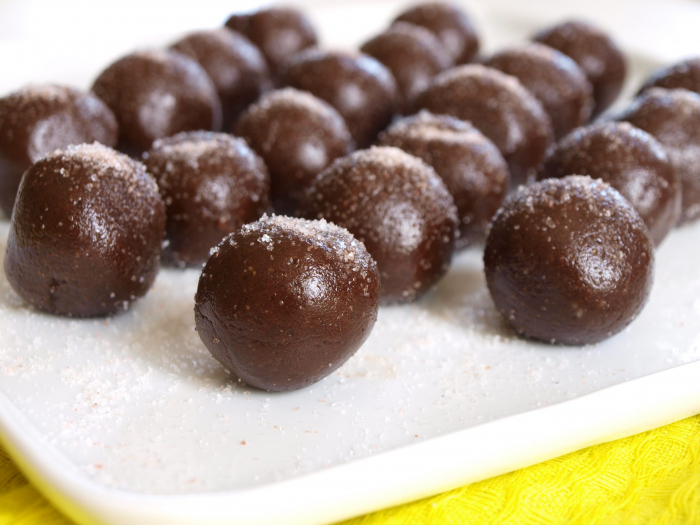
(414, 56)
(398, 207)
(554, 78)
(297, 135)
(358, 86)
(684, 75)
(237, 68)
(568, 261)
(279, 32)
(470, 165)
(37, 120)
(596, 53)
(212, 184)
(284, 302)
(156, 94)
(673, 118)
(501, 108)
(450, 24)
(86, 232)
(632, 161)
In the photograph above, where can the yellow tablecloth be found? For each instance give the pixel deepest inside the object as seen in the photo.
(650, 478)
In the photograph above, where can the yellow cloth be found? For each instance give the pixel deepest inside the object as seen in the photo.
(650, 478)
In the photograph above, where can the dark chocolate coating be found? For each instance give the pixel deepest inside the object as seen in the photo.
(361, 88)
(470, 165)
(501, 108)
(212, 184)
(398, 207)
(684, 75)
(554, 78)
(450, 24)
(568, 261)
(237, 68)
(86, 233)
(673, 118)
(297, 135)
(156, 94)
(40, 119)
(279, 32)
(284, 302)
(632, 161)
(595, 52)
(414, 56)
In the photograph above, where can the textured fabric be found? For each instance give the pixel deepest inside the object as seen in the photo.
(650, 478)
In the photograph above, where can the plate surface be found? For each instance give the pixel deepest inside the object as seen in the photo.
(130, 420)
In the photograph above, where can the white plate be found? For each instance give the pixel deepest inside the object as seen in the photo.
(129, 420)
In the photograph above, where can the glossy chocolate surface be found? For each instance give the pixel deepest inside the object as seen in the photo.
(470, 165)
(568, 261)
(398, 207)
(358, 86)
(284, 302)
(37, 120)
(212, 184)
(632, 161)
(156, 94)
(297, 135)
(86, 232)
(517, 123)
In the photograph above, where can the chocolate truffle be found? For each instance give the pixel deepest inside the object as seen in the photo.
(632, 161)
(470, 165)
(568, 261)
(37, 120)
(414, 56)
(279, 32)
(233, 63)
(684, 75)
(156, 94)
(358, 86)
(284, 302)
(554, 78)
(86, 233)
(297, 135)
(596, 53)
(398, 207)
(212, 184)
(450, 24)
(501, 108)
(673, 118)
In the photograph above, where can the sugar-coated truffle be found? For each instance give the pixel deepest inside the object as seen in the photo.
(684, 75)
(568, 261)
(86, 233)
(284, 302)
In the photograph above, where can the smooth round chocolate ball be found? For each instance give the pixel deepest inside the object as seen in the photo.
(360, 87)
(471, 166)
(673, 118)
(279, 32)
(631, 161)
(501, 108)
(40, 119)
(156, 94)
(568, 261)
(684, 75)
(414, 56)
(555, 79)
(297, 135)
(86, 232)
(237, 68)
(450, 24)
(212, 184)
(284, 302)
(398, 207)
(596, 53)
